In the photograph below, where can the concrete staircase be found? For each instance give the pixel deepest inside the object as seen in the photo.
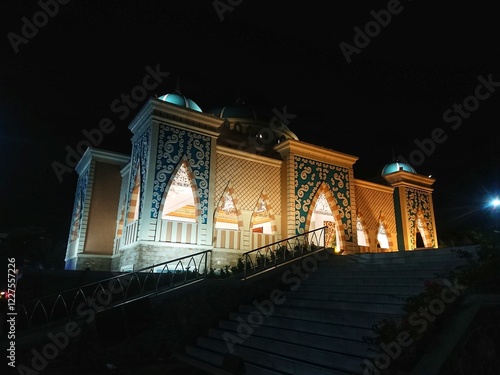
(317, 327)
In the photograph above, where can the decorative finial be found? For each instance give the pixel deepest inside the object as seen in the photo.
(178, 85)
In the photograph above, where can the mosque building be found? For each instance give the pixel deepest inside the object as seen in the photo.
(230, 180)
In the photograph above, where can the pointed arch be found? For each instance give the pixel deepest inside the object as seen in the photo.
(383, 236)
(422, 229)
(228, 221)
(263, 226)
(362, 235)
(227, 213)
(263, 220)
(327, 205)
(180, 200)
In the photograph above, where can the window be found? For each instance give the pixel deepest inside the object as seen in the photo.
(226, 216)
(179, 203)
(261, 219)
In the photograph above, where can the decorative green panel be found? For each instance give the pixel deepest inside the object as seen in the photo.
(173, 145)
(309, 175)
(417, 200)
(140, 161)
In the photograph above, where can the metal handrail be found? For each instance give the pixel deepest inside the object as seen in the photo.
(115, 290)
(280, 252)
(145, 282)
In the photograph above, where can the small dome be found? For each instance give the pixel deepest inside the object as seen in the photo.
(397, 166)
(178, 99)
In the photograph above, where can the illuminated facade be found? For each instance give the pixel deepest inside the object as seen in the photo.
(231, 180)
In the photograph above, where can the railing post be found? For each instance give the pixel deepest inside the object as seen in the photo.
(324, 238)
(245, 267)
(206, 264)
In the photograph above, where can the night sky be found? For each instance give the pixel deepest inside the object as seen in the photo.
(427, 72)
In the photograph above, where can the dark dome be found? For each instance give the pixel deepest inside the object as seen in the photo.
(241, 109)
(397, 166)
(251, 127)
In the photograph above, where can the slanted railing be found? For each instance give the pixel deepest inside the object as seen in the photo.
(281, 252)
(157, 279)
(114, 291)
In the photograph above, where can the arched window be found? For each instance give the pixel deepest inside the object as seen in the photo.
(179, 202)
(360, 229)
(382, 239)
(322, 216)
(226, 216)
(420, 233)
(262, 221)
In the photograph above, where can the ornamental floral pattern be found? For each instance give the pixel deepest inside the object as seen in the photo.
(309, 175)
(418, 206)
(174, 146)
(140, 160)
(81, 192)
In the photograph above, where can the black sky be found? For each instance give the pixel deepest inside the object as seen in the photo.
(393, 92)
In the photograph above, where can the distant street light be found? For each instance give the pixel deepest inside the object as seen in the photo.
(495, 202)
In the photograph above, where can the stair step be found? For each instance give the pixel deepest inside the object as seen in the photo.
(346, 345)
(208, 368)
(202, 354)
(346, 317)
(320, 326)
(347, 288)
(358, 280)
(356, 296)
(284, 356)
(310, 369)
(392, 264)
(381, 273)
(409, 257)
(255, 369)
(272, 323)
(365, 306)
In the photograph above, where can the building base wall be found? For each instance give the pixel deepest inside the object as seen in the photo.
(145, 254)
(90, 261)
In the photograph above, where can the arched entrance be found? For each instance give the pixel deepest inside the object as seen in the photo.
(180, 207)
(324, 213)
(423, 238)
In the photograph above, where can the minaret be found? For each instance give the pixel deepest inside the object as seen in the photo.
(413, 205)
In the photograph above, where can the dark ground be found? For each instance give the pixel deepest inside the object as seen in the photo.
(167, 366)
